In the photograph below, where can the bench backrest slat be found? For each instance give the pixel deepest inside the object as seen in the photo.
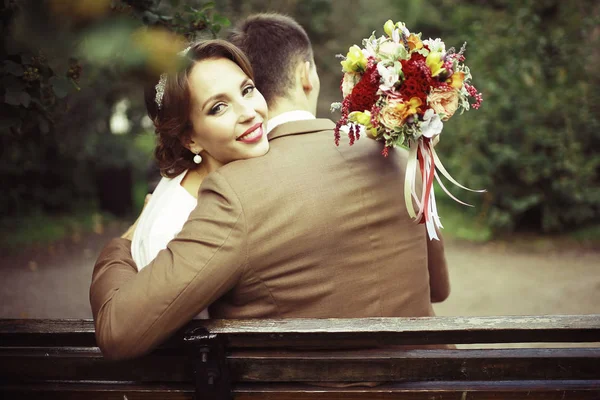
(259, 366)
(276, 359)
(335, 333)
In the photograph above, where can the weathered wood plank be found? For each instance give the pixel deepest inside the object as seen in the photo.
(334, 333)
(416, 365)
(35, 365)
(542, 390)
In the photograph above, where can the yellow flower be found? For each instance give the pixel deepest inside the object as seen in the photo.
(411, 107)
(394, 114)
(388, 28)
(435, 63)
(363, 118)
(443, 102)
(355, 60)
(414, 42)
(456, 80)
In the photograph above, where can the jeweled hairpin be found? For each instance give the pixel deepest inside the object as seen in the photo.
(160, 90)
(162, 82)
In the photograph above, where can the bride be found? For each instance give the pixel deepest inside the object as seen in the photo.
(207, 115)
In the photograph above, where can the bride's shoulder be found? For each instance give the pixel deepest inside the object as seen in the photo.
(166, 183)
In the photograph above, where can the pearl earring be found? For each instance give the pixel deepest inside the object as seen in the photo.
(197, 158)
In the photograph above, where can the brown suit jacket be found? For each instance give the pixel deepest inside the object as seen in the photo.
(308, 230)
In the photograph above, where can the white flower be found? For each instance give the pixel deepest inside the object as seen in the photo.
(369, 52)
(435, 45)
(432, 124)
(403, 28)
(350, 80)
(389, 76)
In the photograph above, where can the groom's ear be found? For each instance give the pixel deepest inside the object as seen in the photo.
(305, 76)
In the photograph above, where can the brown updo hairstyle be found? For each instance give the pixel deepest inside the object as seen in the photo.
(172, 119)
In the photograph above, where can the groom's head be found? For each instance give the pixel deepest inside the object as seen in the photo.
(282, 59)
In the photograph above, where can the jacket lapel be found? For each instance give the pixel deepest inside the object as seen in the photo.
(301, 127)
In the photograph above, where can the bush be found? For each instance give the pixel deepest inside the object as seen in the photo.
(534, 142)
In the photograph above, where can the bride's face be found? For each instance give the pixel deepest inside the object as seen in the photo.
(228, 114)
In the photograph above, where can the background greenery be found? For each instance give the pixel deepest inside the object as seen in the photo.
(72, 69)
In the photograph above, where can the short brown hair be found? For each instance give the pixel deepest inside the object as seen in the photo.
(172, 120)
(274, 43)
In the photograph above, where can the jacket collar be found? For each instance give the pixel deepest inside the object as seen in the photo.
(301, 127)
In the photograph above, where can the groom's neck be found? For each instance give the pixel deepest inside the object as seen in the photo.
(285, 104)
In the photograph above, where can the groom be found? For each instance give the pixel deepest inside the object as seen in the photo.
(308, 230)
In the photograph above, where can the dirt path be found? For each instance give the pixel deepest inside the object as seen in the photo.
(491, 279)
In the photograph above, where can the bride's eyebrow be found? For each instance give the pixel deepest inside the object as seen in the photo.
(219, 96)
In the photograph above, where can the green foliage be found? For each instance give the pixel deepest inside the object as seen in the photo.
(39, 228)
(533, 144)
(64, 66)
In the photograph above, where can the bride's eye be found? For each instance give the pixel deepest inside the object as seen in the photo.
(217, 108)
(248, 89)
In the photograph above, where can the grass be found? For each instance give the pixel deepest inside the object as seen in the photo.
(460, 223)
(39, 228)
(586, 234)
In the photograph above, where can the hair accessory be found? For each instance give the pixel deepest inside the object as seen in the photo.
(398, 89)
(160, 86)
(197, 158)
(184, 51)
(160, 90)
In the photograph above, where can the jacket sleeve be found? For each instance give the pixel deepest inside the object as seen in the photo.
(439, 280)
(134, 312)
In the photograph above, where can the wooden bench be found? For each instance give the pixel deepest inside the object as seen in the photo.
(275, 359)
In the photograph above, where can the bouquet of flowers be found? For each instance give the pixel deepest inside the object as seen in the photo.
(399, 89)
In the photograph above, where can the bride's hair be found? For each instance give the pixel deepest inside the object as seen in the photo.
(172, 118)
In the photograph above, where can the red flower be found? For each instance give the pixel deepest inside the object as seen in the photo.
(364, 94)
(418, 80)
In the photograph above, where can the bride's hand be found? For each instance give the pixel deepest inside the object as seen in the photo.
(129, 232)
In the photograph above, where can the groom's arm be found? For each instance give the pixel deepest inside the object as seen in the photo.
(134, 312)
(439, 280)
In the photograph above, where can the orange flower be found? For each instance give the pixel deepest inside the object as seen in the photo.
(443, 102)
(456, 80)
(396, 111)
(414, 42)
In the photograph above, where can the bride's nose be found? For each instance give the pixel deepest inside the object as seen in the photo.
(247, 111)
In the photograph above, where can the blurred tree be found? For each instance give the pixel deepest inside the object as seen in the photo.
(65, 65)
(534, 144)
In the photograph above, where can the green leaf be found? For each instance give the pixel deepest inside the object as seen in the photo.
(12, 68)
(9, 82)
(26, 58)
(149, 17)
(24, 98)
(17, 98)
(9, 122)
(44, 126)
(60, 86)
(207, 6)
(221, 20)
